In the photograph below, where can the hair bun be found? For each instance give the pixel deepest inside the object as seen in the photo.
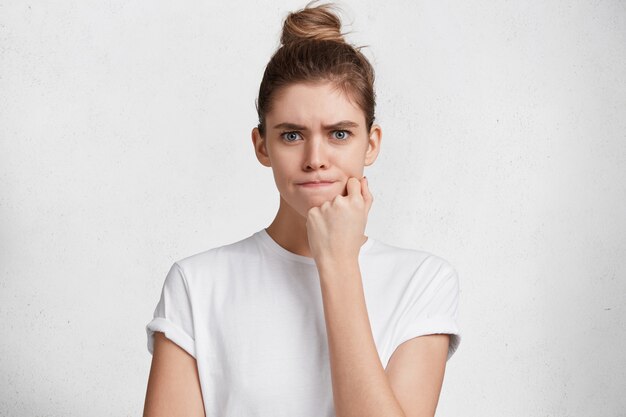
(316, 23)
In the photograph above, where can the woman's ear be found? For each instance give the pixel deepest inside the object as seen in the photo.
(260, 148)
(373, 144)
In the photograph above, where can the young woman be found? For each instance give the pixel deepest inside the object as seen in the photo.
(307, 317)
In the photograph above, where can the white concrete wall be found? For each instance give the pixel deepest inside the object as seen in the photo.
(124, 135)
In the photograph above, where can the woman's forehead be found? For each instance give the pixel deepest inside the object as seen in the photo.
(314, 103)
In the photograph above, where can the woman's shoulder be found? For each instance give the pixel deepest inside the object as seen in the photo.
(395, 253)
(414, 267)
(218, 257)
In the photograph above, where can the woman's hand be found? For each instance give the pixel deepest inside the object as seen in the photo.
(335, 229)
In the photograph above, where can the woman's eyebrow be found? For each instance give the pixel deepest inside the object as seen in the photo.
(338, 125)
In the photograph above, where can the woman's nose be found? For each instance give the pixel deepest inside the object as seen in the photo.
(315, 154)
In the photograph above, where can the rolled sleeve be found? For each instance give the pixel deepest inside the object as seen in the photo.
(173, 314)
(434, 307)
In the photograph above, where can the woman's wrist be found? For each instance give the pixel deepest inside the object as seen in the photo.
(333, 267)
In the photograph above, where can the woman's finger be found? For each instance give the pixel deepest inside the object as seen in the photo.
(367, 195)
(353, 186)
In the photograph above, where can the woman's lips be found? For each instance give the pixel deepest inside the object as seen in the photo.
(316, 184)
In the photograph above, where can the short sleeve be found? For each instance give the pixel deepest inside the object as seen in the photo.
(433, 308)
(173, 313)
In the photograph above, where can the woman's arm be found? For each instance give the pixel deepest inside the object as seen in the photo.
(173, 386)
(416, 371)
(361, 387)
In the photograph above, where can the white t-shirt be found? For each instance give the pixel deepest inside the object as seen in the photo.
(251, 314)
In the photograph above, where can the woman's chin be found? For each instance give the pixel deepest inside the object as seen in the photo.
(303, 209)
(303, 205)
(318, 200)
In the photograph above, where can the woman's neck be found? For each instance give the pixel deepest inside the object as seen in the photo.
(288, 229)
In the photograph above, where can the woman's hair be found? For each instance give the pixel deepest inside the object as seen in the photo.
(313, 50)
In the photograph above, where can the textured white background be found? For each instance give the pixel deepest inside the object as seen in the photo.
(125, 145)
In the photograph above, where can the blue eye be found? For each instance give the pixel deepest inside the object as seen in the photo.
(341, 134)
(290, 136)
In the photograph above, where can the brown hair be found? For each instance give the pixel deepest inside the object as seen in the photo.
(313, 49)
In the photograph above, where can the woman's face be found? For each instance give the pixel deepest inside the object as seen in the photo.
(315, 133)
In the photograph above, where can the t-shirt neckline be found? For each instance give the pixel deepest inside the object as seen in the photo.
(271, 244)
